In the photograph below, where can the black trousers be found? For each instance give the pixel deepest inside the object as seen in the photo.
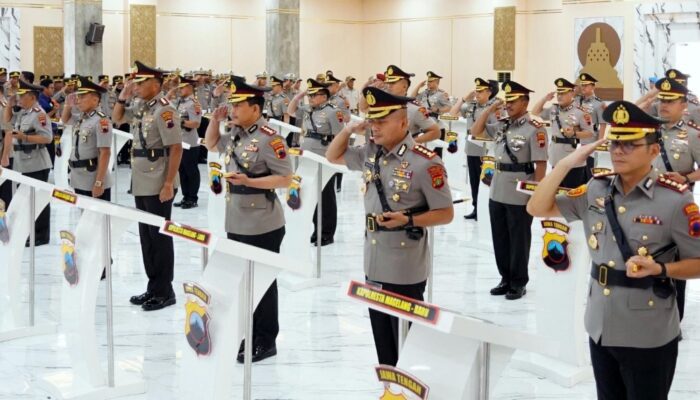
(156, 248)
(590, 164)
(106, 195)
(330, 210)
(512, 236)
(474, 170)
(266, 325)
(6, 190)
(42, 228)
(627, 373)
(201, 132)
(680, 296)
(575, 178)
(385, 328)
(189, 174)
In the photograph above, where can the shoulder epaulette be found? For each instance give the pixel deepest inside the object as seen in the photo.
(3, 103)
(604, 175)
(164, 101)
(536, 123)
(693, 125)
(101, 114)
(424, 151)
(268, 131)
(585, 111)
(597, 98)
(671, 184)
(694, 101)
(415, 103)
(36, 109)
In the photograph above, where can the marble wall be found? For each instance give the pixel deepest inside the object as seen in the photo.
(9, 38)
(282, 37)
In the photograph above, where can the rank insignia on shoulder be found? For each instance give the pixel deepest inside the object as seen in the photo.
(671, 184)
(3, 103)
(424, 151)
(693, 125)
(36, 109)
(267, 130)
(164, 101)
(602, 175)
(536, 123)
(577, 192)
(101, 114)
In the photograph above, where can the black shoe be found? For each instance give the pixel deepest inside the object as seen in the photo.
(179, 203)
(156, 303)
(325, 241)
(501, 289)
(260, 352)
(188, 204)
(471, 216)
(515, 293)
(313, 239)
(37, 242)
(140, 299)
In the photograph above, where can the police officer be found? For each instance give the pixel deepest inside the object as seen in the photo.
(420, 125)
(435, 99)
(190, 118)
(277, 101)
(569, 125)
(399, 175)
(642, 229)
(336, 98)
(594, 106)
(3, 76)
(202, 91)
(92, 144)
(156, 154)
(650, 103)
(31, 132)
(6, 150)
(321, 122)
(521, 155)
(256, 164)
(470, 107)
(12, 85)
(105, 107)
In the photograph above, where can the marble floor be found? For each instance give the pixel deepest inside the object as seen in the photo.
(325, 344)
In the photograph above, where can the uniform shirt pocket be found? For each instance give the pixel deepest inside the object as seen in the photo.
(646, 300)
(254, 201)
(397, 240)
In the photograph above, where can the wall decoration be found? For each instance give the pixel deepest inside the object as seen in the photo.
(48, 50)
(504, 39)
(142, 26)
(600, 50)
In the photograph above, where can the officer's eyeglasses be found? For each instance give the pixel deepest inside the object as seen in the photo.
(625, 146)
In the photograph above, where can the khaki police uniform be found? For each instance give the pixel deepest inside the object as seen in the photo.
(277, 106)
(561, 145)
(91, 132)
(681, 145)
(5, 187)
(471, 112)
(190, 110)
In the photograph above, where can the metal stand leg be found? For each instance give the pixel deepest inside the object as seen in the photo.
(32, 252)
(115, 192)
(108, 276)
(319, 220)
(403, 333)
(484, 373)
(248, 351)
(431, 245)
(205, 258)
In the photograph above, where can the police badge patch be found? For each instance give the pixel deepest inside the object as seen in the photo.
(197, 319)
(4, 229)
(70, 267)
(555, 249)
(488, 168)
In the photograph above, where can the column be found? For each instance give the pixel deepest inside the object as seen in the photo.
(282, 26)
(79, 57)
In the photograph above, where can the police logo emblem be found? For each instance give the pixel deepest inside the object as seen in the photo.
(621, 116)
(70, 267)
(665, 85)
(370, 99)
(197, 319)
(555, 249)
(488, 169)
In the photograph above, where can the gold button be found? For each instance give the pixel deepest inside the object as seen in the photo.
(651, 303)
(611, 264)
(244, 154)
(239, 144)
(374, 241)
(151, 168)
(252, 204)
(403, 244)
(676, 156)
(385, 162)
(621, 209)
(645, 237)
(606, 292)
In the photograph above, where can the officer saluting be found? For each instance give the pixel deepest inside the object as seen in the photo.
(570, 124)
(256, 164)
(521, 154)
(399, 175)
(92, 144)
(156, 154)
(31, 132)
(277, 101)
(321, 122)
(190, 117)
(642, 229)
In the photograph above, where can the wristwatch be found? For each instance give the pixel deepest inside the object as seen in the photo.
(98, 184)
(409, 224)
(120, 101)
(663, 270)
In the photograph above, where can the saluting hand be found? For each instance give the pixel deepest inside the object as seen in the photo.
(579, 155)
(357, 126)
(72, 100)
(550, 96)
(641, 267)
(393, 219)
(220, 113)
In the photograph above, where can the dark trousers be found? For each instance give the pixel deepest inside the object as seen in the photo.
(42, 228)
(105, 196)
(189, 174)
(330, 210)
(680, 296)
(156, 248)
(385, 328)
(511, 234)
(474, 170)
(590, 164)
(266, 325)
(201, 132)
(627, 373)
(575, 178)
(6, 190)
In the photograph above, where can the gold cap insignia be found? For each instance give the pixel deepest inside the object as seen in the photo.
(672, 74)
(233, 87)
(370, 99)
(390, 71)
(560, 83)
(665, 85)
(621, 116)
(78, 83)
(507, 89)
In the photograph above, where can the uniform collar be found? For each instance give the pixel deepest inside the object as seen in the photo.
(646, 185)
(520, 121)
(89, 114)
(320, 106)
(678, 125)
(253, 128)
(567, 108)
(402, 147)
(154, 100)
